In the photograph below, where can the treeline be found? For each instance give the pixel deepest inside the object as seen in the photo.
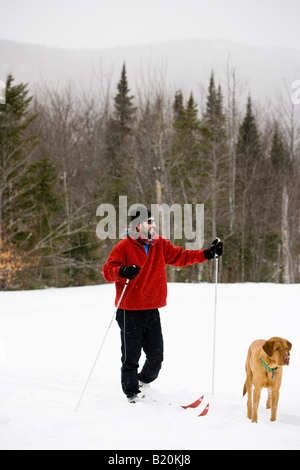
(63, 153)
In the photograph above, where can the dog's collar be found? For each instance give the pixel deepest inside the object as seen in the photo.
(268, 368)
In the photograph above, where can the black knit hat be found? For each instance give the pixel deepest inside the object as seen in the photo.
(139, 214)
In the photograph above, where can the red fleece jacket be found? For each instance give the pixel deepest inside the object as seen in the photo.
(149, 289)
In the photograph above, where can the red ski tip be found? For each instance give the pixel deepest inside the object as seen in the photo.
(194, 404)
(205, 411)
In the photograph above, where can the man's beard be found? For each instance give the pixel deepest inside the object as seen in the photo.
(149, 235)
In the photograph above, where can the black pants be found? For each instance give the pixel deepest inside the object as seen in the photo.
(140, 329)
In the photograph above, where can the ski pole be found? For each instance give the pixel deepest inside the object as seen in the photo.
(215, 324)
(101, 347)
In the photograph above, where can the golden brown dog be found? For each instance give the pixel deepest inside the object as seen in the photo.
(264, 370)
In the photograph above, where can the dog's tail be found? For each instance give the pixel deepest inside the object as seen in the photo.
(245, 389)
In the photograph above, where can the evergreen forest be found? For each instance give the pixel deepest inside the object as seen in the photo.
(64, 152)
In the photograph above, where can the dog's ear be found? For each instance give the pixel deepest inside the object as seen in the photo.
(268, 347)
(289, 345)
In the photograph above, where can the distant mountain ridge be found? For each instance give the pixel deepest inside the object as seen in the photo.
(184, 64)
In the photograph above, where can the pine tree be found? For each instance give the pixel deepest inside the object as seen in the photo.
(29, 201)
(186, 161)
(185, 164)
(119, 142)
(15, 152)
(178, 109)
(248, 142)
(214, 116)
(124, 104)
(250, 175)
(279, 153)
(16, 148)
(215, 154)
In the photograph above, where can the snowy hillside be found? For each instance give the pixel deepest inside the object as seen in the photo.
(49, 340)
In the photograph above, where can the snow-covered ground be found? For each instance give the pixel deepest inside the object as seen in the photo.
(49, 340)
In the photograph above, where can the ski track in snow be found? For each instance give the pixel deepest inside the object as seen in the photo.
(49, 340)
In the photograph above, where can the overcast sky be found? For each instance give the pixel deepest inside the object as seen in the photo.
(109, 23)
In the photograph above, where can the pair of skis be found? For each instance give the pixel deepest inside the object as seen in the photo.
(195, 404)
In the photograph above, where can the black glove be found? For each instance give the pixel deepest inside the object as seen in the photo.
(219, 246)
(215, 249)
(129, 271)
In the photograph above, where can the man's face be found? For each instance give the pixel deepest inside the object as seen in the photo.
(147, 228)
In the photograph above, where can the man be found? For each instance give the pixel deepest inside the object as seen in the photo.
(141, 258)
